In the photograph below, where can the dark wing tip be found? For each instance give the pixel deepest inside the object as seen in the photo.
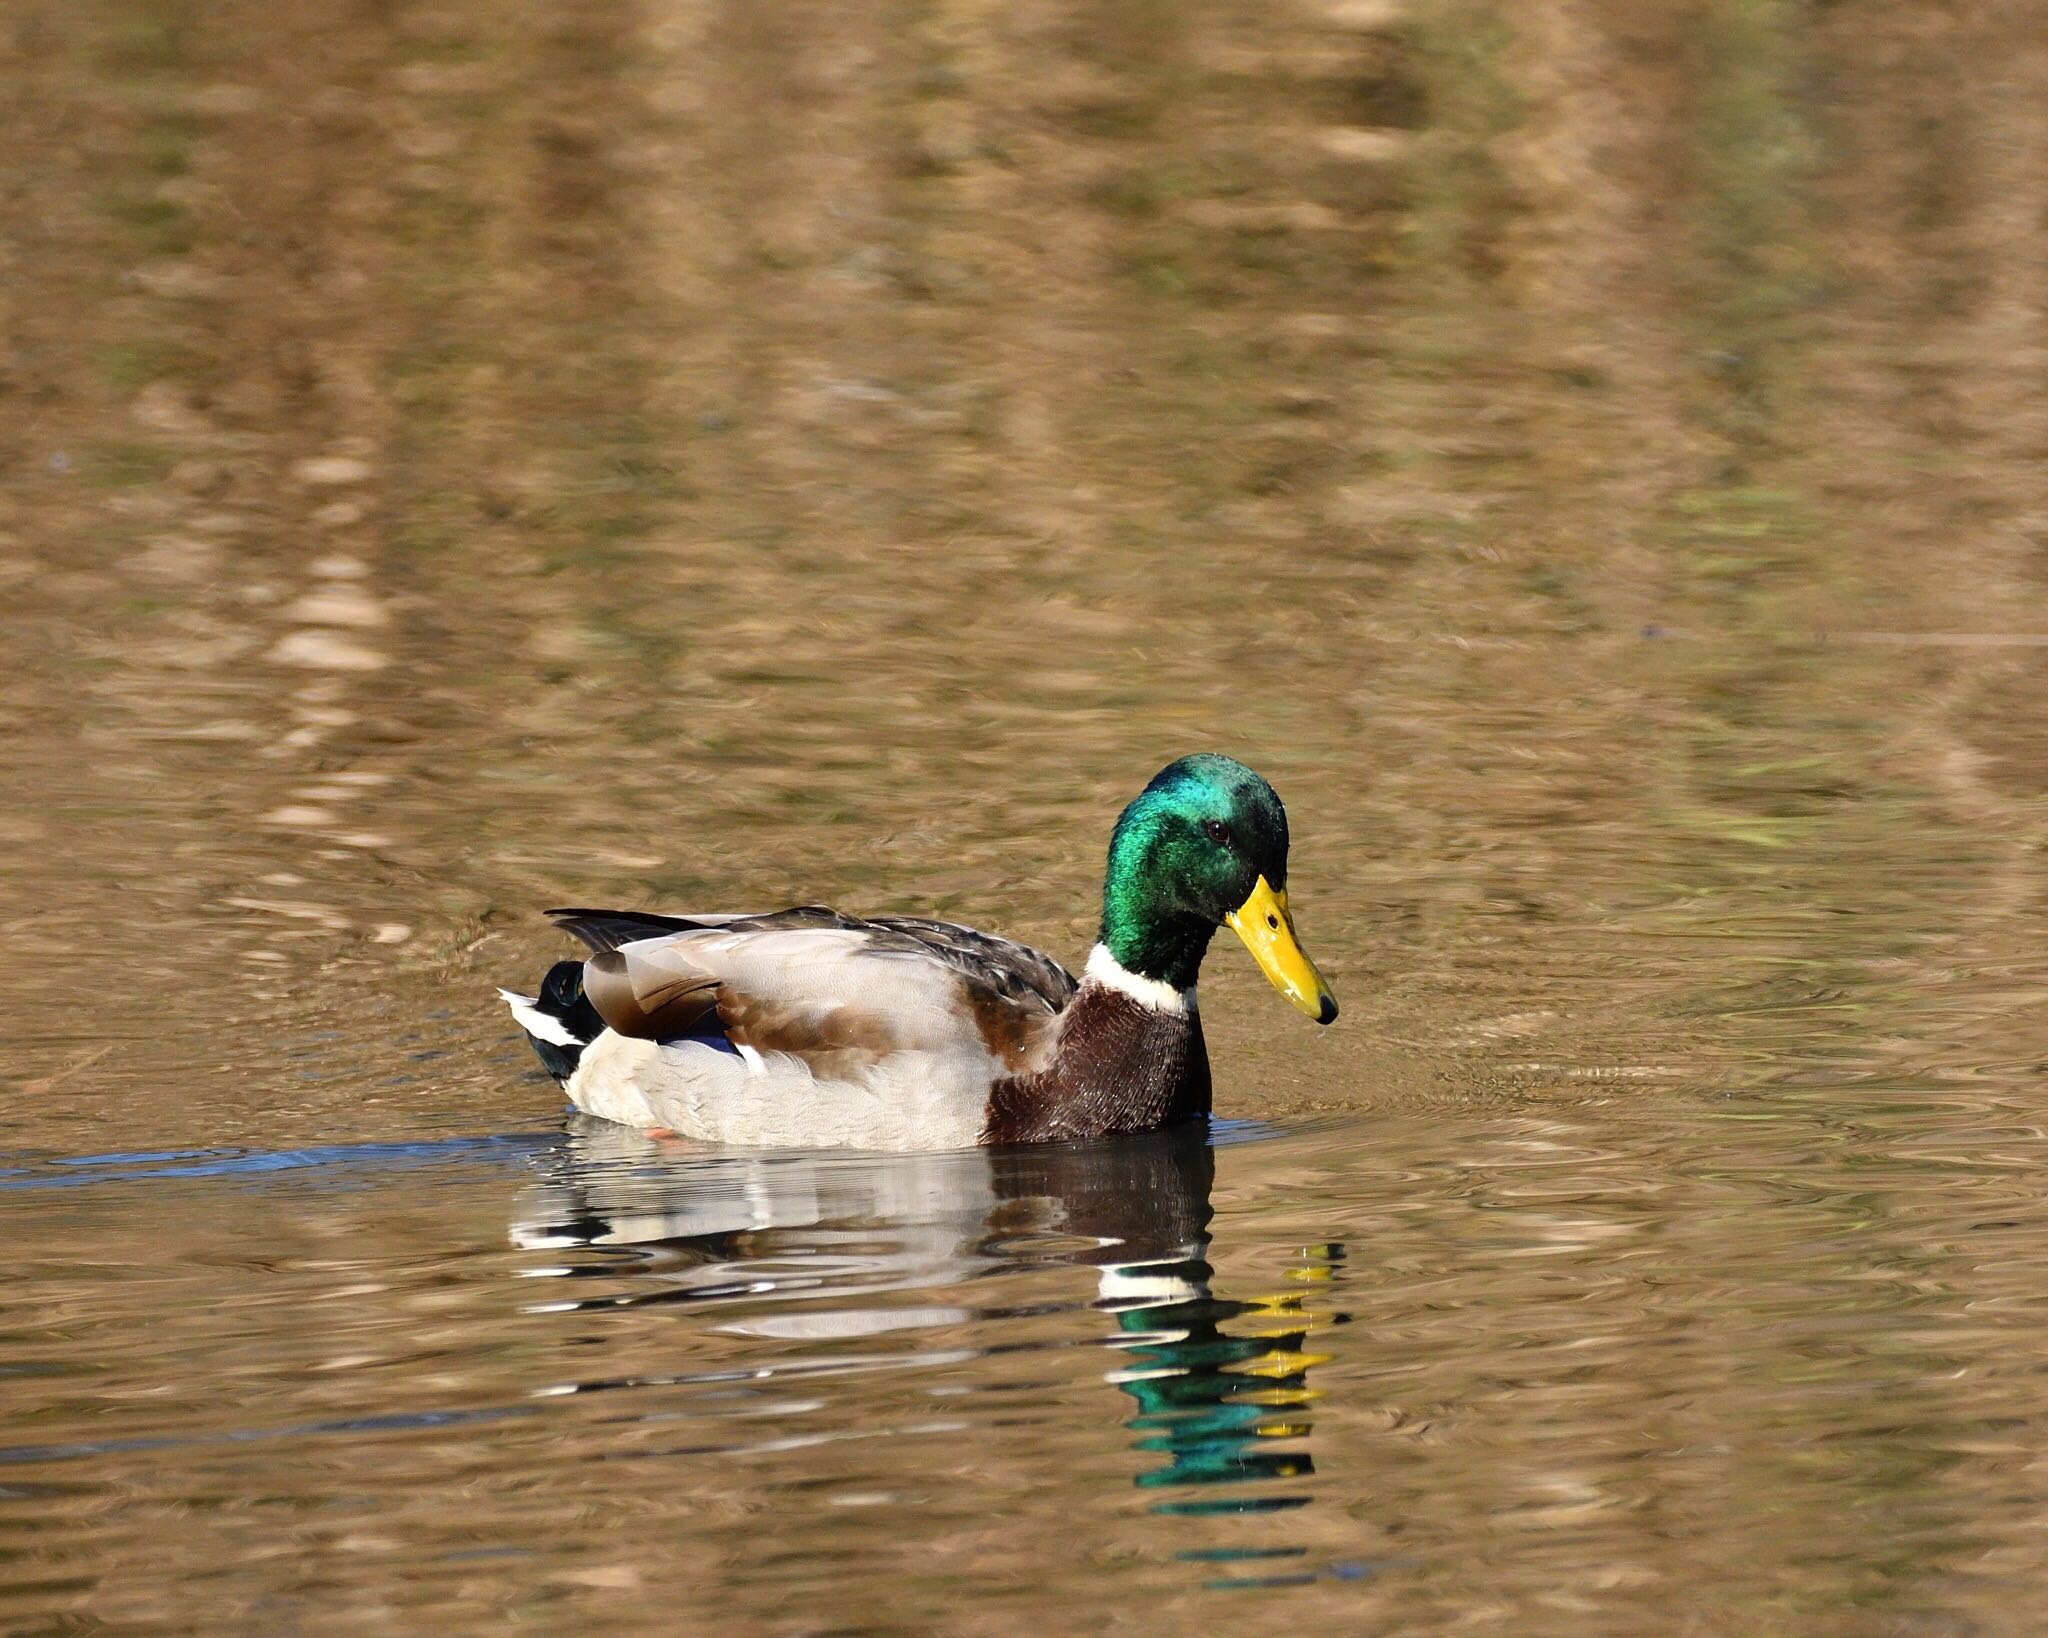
(608, 929)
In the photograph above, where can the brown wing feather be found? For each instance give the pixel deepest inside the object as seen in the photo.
(651, 979)
(649, 1000)
(1014, 972)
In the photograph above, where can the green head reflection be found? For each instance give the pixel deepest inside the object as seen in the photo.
(1221, 1385)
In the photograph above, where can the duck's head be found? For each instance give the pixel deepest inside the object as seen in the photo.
(1205, 846)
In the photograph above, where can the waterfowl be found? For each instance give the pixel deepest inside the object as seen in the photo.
(810, 1028)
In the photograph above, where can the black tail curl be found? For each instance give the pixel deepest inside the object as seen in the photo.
(561, 998)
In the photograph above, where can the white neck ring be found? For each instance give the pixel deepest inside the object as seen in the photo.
(1153, 994)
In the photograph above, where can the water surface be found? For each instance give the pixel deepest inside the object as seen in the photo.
(459, 459)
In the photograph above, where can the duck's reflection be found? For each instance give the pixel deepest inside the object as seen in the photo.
(822, 1247)
(1221, 1407)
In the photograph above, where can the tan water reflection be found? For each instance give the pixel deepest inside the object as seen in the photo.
(455, 459)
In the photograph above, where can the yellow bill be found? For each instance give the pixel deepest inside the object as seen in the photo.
(1267, 929)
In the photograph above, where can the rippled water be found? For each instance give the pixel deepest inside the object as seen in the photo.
(456, 459)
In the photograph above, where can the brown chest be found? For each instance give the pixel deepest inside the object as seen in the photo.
(1118, 1066)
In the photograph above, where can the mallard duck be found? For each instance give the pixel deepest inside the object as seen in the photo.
(809, 1028)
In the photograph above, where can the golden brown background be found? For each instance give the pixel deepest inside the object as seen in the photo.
(456, 458)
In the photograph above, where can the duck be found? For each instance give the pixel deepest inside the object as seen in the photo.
(812, 1028)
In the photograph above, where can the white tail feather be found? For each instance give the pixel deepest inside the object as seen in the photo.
(537, 1023)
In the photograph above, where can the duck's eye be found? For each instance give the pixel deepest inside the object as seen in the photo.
(1217, 831)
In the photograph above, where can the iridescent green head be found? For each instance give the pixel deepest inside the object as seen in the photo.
(1204, 846)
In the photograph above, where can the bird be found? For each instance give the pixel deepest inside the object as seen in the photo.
(811, 1028)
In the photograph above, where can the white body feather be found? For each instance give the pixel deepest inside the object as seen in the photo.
(910, 1100)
